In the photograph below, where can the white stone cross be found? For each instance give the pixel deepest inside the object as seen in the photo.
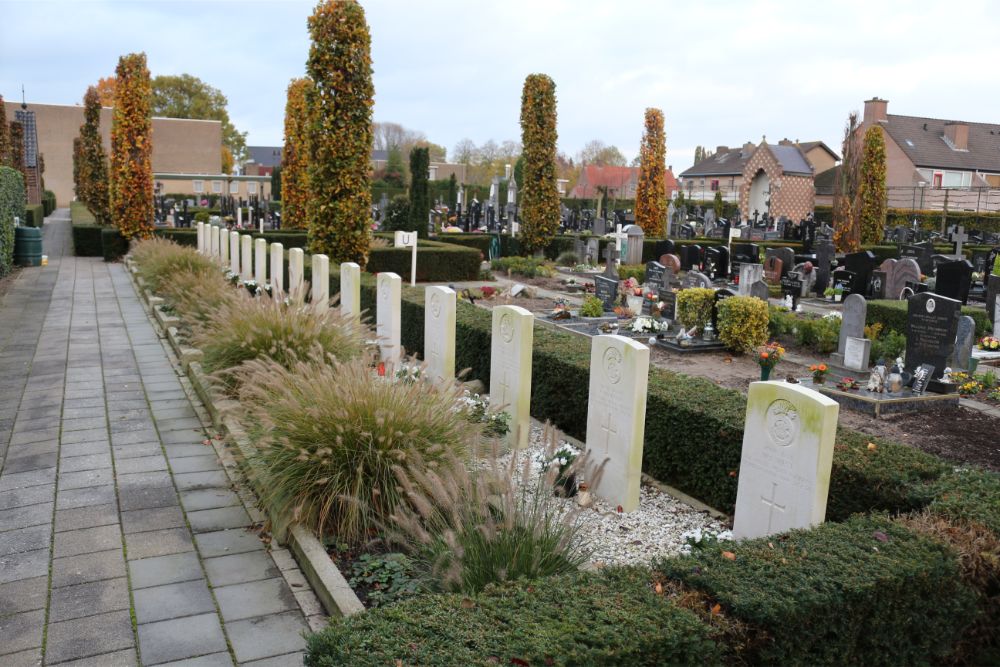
(618, 236)
(957, 235)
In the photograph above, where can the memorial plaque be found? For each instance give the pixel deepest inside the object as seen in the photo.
(856, 353)
(669, 300)
(876, 285)
(792, 285)
(654, 275)
(606, 289)
(921, 377)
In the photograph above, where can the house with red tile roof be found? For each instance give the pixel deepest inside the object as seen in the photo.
(615, 182)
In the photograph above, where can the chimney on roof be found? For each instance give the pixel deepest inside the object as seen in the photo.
(875, 111)
(748, 148)
(719, 150)
(786, 142)
(957, 134)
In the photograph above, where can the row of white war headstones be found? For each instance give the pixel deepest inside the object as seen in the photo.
(788, 436)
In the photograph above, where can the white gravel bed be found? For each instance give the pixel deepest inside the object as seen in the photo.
(658, 528)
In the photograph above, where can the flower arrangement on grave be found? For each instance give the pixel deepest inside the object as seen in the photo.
(768, 357)
(487, 291)
(989, 343)
(251, 286)
(232, 277)
(848, 384)
(623, 313)
(968, 385)
(478, 411)
(408, 373)
(645, 324)
(631, 287)
(819, 372)
(704, 540)
(563, 458)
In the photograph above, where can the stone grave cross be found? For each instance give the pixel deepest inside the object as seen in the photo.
(957, 235)
(609, 430)
(619, 236)
(611, 260)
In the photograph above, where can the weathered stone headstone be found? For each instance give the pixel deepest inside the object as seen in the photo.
(510, 369)
(296, 274)
(320, 289)
(277, 268)
(635, 237)
(439, 333)
(654, 275)
(931, 327)
(388, 325)
(749, 274)
(593, 251)
(246, 257)
(234, 252)
(696, 279)
(788, 441)
(668, 298)
(772, 269)
(852, 325)
(825, 253)
(905, 270)
(760, 290)
(856, 353)
(954, 280)
(965, 338)
(350, 289)
(616, 416)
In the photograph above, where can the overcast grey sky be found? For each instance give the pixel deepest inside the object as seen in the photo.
(723, 72)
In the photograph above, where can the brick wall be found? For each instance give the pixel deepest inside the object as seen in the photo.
(791, 195)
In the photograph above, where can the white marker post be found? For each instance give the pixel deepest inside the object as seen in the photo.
(406, 240)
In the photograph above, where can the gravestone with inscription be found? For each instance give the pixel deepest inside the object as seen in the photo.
(320, 289)
(993, 297)
(691, 257)
(668, 298)
(743, 253)
(717, 262)
(852, 325)
(296, 274)
(224, 246)
(510, 369)
(616, 416)
(788, 441)
(388, 325)
(791, 285)
(246, 257)
(785, 254)
(234, 252)
(954, 280)
(696, 279)
(439, 333)
(654, 275)
(856, 354)
(861, 264)
(260, 261)
(921, 253)
(904, 271)
(350, 289)
(773, 269)
(277, 268)
(931, 327)
(876, 284)
(760, 290)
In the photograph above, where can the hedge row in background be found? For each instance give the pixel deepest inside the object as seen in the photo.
(49, 202)
(892, 315)
(34, 215)
(11, 206)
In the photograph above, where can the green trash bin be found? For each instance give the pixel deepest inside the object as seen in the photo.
(27, 246)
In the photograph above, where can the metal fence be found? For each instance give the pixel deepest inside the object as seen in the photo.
(971, 200)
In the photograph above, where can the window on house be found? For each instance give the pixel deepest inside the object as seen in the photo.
(217, 187)
(952, 179)
(234, 187)
(199, 186)
(251, 187)
(714, 185)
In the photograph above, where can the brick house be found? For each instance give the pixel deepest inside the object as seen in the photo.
(620, 182)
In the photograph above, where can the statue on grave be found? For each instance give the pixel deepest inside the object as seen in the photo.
(879, 377)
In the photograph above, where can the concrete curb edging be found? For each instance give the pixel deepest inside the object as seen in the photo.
(330, 586)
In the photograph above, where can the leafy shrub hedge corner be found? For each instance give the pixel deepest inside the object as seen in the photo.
(11, 206)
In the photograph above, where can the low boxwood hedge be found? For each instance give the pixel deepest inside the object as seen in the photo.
(114, 246)
(892, 315)
(48, 202)
(34, 215)
(608, 618)
(866, 592)
(87, 240)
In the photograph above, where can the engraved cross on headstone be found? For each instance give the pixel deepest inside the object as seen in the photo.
(504, 387)
(771, 505)
(609, 430)
(957, 235)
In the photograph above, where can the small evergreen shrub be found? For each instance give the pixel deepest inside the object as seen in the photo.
(637, 271)
(527, 267)
(34, 215)
(567, 259)
(331, 436)
(694, 307)
(114, 246)
(743, 323)
(592, 307)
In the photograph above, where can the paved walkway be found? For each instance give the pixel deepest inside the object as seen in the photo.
(121, 539)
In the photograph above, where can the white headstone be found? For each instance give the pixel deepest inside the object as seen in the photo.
(749, 274)
(616, 416)
(788, 440)
(996, 317)
(201, 237)
(409, 240)
(513, 333)
(246, 257)
(350, 289)
(278, 268)
(239, 216)
(224, 243)
(439, 332)
(320, 283)
(260, 261)
(234, 252)
(213, 241)
(296, 273)
(387, 316)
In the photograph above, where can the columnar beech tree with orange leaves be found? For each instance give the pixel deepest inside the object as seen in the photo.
(16, 158)
(872, 193)
(340, 132)
(4, 139)
(131, 149)
(295, 156)
(540, 203)
(92, 187)
(846, 223)
(651, 191)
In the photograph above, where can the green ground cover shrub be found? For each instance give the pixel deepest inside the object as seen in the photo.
(743, 323)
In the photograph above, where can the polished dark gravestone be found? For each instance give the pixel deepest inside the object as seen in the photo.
(931, 327)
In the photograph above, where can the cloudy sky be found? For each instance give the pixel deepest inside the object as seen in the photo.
(723, 72)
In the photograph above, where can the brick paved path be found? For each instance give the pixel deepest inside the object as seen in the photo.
(121, 540)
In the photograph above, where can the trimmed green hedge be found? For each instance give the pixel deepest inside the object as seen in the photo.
(48, 202)
(87, 241)
(892, 315)
(608, 618)
(79, 214)
(114, 246)
(865, 592)
(11, 206)
(34, 215)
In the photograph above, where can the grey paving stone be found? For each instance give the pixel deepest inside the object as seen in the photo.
(205, 499)
(30, 658)
(255, 598)
(179, 412)
(24, 595)
(89, 636)
(86, 402)
(185, 437)
(24, 539)
(173, 601)
(84, 424)
(23, 480)
(180, 638)
(158, 543)
(84, 448)
(86, 462)
(26, 516)
(126, 658)
(141, 449)
(162, 570)
(139, 498)
(287, 660)
(147, 480)
(189, 464)
(192, 481)
(220, 659)
(96, 597)
(29, 496)
(89, 435)
(157, 518)
(87, 540)
(94, 495)
(127, 425)
(141, 464)
(134, 437)
(240, 568)
(24, 565)
(34, 436)
(227, 542)
(35, 461)
(191, 424)
(86, 517)
(267, 636)
(97, 410)
(21, 631)
(85, 478)
(203, 521)
(85, 568)
(175, 452)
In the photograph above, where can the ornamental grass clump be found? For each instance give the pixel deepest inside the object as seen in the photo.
(466, 528)
(161, 261)
(249, 328)
(198, 294)
(332, 436)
